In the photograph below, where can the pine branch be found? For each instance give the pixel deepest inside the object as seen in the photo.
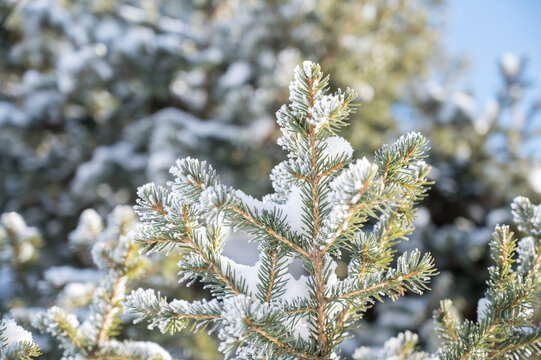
(175, 316)
(504, 327)
(132, 350)
(116, 255)
(249, 215)
(412, 273)
(321, 204)
(521, 344)
(152, 206)
(63, 327)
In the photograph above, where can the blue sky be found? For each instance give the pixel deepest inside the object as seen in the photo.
(484, 29)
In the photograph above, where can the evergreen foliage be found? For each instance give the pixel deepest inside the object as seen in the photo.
(402, 347)
(98, 97)
(116, 256)
(322, 202)
(483, 156)
(19, 245)
(15, 342)
(505, 327)
(73, 136)
(476, 177)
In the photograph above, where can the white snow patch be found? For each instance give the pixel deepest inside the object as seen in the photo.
(307, 67)
(248, 273)
(252, 202)
(150, 349)
(122, 154)
(482, 308)
(78, 290)
(236, 75)
(24, 234)
(292, 210)
(14, 334)
(61, 275)
(193, 129)
(322, 110)
(132, 13)
(369, 12)
(90, 225)
(337, 146)
(464, 102)
(302, 329)
(26, 252)
(15, 223)
(295, 288)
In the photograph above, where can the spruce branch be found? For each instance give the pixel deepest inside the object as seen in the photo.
(116, 255)
(504, 328)
(172, 317)
(322, 202)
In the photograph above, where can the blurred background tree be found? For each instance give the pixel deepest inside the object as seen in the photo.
(481, 161)
(84, 83)
(99, 97)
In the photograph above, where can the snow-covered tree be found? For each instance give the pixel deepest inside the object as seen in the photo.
(322, 202)
(506, 327)
(96, 97)
(19, 247)
(482, 157)
(485, 157)
(15, 342)
(72, 135)
(116, 256)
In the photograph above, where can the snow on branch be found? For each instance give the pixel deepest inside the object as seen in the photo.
(505, 326)
(16, 342)
(321, 202)
(115, 254)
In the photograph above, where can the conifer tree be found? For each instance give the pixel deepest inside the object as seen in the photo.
(505, 326)
(98, 97)
(476, 177)
(322, 202)
(19, 247)
(116, 255)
